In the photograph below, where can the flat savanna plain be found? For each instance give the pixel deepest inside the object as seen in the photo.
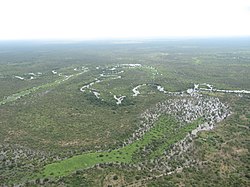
(64, 120)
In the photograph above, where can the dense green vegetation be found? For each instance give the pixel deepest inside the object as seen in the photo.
(51, 133)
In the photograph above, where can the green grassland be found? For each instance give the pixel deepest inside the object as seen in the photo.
(165, 126)
(57, 130)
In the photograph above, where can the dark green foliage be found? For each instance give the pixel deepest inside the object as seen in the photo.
(115, 177)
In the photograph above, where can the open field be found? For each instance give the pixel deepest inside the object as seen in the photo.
(124, 154)
(101, 113)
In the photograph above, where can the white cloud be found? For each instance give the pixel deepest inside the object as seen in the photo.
(86, 19)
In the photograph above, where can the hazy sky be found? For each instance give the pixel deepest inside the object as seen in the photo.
(94, 19)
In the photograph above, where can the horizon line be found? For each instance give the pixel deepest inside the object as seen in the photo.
(123, 38)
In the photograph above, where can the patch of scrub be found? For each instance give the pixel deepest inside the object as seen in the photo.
(197, 60)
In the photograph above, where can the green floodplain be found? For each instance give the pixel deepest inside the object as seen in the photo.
(67, 109)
